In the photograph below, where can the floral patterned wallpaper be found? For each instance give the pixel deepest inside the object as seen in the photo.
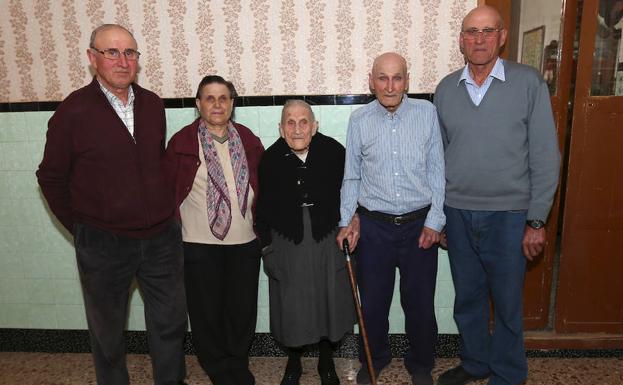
(265, 47)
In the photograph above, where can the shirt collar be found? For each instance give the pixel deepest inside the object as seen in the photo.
(496, 72)
(113, 99)
(401, 107)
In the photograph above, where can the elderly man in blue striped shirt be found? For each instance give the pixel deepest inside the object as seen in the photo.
(394, 178)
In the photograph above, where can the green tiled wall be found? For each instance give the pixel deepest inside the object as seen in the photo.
(39, 286)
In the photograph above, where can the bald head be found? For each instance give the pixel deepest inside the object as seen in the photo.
(389, 58)
(107, 27)
(483, 11)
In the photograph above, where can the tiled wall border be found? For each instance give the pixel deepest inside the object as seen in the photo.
(77, 341)
(241, 101)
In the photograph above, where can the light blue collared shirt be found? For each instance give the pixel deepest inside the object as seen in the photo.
(394, 162)
(476, 93)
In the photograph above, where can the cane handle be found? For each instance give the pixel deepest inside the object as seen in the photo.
(346, 248)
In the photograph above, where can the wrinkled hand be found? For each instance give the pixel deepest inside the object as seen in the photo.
(533, 242)
(350, 232)
(428, 238)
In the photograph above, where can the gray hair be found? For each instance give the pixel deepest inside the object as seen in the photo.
(298, 102)
(105, 27)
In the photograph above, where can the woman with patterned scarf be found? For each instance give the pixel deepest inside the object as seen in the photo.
(213, 165)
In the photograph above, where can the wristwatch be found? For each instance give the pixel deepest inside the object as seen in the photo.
(535, 223)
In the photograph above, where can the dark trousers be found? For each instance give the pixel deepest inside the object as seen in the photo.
(486, 258)
(221, 287)
(382, 247)
(107, 264)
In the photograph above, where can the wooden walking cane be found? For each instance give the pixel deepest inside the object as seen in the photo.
(362, 326)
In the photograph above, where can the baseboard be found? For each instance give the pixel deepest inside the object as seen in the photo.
(264, 345)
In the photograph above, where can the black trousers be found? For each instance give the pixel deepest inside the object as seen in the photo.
(221, 286)
(107, 264)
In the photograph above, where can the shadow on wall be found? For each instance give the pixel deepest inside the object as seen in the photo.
(55, 222)
(70, 240)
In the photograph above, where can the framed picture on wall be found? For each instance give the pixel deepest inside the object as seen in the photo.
(532, 47)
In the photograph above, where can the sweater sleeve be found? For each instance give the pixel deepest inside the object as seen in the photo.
(544, 155)
(54, 172)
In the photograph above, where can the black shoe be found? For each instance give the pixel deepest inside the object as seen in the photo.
(291, 377)
(243, 377)
(458, 376)
(363, 377)
(328, 376)
(293, 370)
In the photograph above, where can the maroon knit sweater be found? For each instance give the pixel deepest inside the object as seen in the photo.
(94, 172)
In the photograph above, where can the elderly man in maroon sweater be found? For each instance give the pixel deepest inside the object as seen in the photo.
(103, 179)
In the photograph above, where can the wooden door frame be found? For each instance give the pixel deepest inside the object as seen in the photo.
(585, 107)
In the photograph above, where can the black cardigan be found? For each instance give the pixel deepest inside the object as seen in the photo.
(280, 197)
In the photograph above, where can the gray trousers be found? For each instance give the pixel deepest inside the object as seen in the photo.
(107, 264)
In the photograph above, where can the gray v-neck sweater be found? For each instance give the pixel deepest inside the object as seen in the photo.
(503, 154)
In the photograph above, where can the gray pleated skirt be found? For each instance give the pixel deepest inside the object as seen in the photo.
(309, 290)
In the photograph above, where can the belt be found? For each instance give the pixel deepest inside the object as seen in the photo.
(395, 219)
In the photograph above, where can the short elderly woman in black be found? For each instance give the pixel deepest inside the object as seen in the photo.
(300, 177)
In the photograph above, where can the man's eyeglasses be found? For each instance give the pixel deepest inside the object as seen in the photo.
(487, 33)
(115, 54)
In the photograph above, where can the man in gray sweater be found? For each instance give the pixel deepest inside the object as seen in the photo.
(502, 164)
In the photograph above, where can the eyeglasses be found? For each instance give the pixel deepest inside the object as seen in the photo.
(487, 33)
(115, 54)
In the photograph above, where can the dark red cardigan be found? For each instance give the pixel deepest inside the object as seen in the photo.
(183, 160)
(93, 172)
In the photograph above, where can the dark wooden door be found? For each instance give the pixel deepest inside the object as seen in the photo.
(590, 285)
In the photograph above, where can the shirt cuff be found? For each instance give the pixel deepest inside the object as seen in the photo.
(434, 222)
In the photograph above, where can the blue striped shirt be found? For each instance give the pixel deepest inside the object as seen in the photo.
(476, 93)
(394, 162)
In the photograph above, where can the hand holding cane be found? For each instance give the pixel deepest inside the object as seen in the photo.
(362, 326)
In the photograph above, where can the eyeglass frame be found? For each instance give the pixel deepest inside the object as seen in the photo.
(487, 33)
(108, 51)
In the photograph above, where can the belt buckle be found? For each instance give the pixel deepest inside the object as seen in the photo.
(398, 220)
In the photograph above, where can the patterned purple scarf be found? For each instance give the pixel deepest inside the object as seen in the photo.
(217, 196)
